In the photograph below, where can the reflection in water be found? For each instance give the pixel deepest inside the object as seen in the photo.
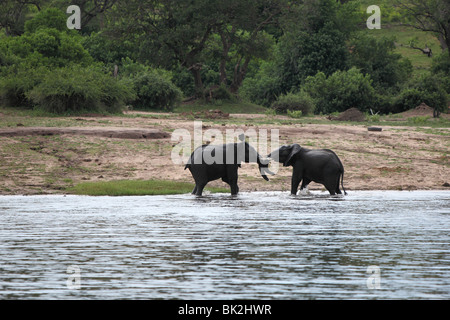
(260, 245)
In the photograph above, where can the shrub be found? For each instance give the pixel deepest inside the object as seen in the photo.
(441, 64)
(373, 118)
(340, 91)
(419, 120)
(219, 93)
(428, 89)
(155, 90)
(75, 88)
(300, 101)
(270, 113)
(408, 99)
(16, 82)
(153, 87)
(294, 114)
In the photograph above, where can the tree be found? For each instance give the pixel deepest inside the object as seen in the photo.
(243, 27)
(92, 8)
(13, 13)
(429, 15)
(376, 57)
(315, 38)
(175, 30)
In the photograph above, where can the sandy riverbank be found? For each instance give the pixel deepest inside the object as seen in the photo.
(50, 157)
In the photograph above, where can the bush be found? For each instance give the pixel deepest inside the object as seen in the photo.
(155, 90)
(75, 89)
(294, 114)
(441, 64)
(340, 91)
(419, 120)
(218, 93)
(408, 99)
(429, 89)
(16, 82)
(294, 102)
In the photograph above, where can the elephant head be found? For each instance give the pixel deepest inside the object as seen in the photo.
(285, 154)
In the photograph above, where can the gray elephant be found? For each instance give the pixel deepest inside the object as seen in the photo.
(212, 162)
(321, 166)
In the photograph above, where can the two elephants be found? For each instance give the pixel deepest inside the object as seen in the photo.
(212, 162)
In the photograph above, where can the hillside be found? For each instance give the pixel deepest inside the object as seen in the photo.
(391, 26)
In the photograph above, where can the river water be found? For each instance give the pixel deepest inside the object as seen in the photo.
(259, 245)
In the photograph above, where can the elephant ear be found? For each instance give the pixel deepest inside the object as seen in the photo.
(295, 148)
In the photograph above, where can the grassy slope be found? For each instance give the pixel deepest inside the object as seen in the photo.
(403, 35)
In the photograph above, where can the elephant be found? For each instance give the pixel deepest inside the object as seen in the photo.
(211, 162)
(320, 165)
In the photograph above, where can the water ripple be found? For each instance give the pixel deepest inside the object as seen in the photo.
(260, 245)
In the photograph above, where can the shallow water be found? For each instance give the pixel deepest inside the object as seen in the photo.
(259, 245)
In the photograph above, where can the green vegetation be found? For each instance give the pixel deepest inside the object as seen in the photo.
(300, 101)
(135, 188)
(340, 90)
(316, 56)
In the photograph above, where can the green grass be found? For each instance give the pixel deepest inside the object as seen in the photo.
(135, 188)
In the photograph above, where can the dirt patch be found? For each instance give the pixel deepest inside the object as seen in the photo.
(120, 133)
(351, 114)
(421, 110)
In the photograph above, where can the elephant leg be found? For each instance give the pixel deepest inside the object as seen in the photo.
(331, 185)
(195, 190)
(294, 184)
(200, 187)
(232, 178)
(297, 176)
(234, 187)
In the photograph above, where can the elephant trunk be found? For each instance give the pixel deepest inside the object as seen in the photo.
(263, 165)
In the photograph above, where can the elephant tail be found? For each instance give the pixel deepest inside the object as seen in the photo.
(342, 182)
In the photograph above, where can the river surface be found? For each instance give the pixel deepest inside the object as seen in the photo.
(259, 245)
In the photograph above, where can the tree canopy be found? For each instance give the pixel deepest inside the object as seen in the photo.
(158, 51)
